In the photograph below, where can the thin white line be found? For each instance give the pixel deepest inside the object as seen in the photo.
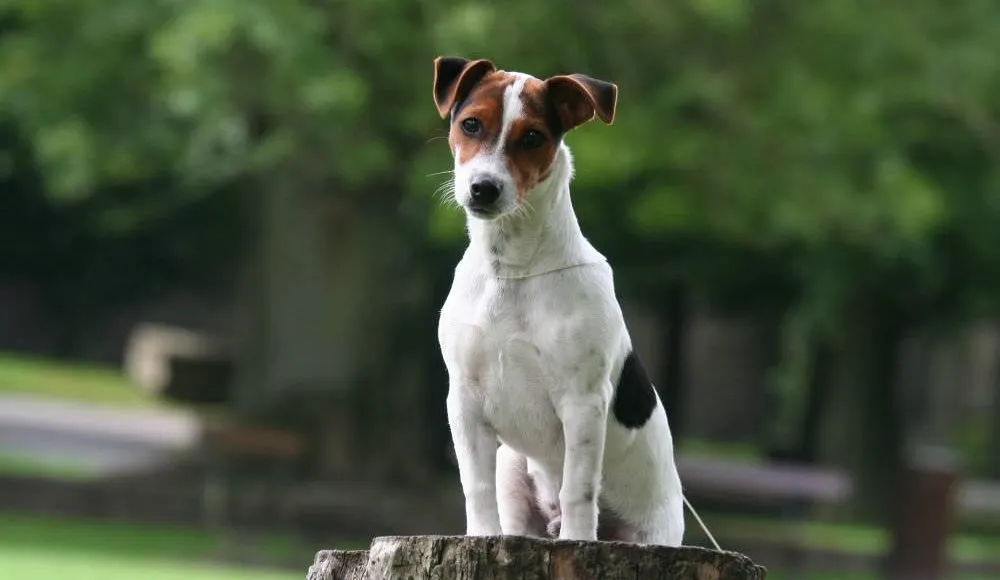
(701, 523)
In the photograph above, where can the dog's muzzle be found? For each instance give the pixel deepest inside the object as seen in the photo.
(483, 195)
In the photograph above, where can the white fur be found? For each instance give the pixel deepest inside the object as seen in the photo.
(534, 341)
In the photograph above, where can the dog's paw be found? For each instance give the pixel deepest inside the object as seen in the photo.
(576, 533)
(581, 536)
(554, 527)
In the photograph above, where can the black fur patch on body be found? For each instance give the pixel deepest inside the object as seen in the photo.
(635, 398)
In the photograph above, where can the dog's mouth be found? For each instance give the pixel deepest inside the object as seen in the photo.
(484, 213)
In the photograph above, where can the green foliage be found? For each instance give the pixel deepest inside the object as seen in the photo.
(804, 128)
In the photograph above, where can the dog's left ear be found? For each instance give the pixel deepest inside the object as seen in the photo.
(579, 97)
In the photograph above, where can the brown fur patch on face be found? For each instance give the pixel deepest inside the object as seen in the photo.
(529, 166)
(484, 103)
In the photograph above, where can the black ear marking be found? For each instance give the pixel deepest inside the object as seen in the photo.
(635, 398)
(454, 77)
(446, 71)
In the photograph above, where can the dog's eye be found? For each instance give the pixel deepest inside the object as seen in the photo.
(531, 140)
(471, 126)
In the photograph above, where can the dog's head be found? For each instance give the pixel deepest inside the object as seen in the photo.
(506, 128)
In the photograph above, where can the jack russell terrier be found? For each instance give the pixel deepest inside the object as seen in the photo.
(557, 429)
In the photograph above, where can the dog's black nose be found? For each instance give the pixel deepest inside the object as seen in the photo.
(484, 192)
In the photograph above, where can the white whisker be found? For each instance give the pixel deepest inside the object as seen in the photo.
(445, 193)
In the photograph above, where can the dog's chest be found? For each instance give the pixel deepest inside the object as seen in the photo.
(498, 342)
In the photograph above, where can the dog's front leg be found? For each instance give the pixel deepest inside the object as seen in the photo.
(476, 451)
(584, 420)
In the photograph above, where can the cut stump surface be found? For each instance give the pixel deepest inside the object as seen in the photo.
(522, 558)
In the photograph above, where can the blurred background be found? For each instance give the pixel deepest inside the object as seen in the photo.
(222, 260)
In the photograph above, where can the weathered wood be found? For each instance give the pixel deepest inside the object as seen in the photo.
(339, 564)
(514, 557)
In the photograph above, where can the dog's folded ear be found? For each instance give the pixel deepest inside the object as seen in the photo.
(578, 98)
(454, 77)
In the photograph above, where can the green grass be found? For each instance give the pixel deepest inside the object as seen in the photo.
(74, 381)
(108, 539)
(86, 383)
(29, 466)
(33, 548)
(43, 564)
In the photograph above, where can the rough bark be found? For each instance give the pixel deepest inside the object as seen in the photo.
(514, 557)
(339, 565)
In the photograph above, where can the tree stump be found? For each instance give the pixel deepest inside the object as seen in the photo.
(516, 557)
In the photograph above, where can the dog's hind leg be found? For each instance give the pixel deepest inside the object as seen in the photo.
(519, 514)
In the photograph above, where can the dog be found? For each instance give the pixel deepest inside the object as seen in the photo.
(557, 429)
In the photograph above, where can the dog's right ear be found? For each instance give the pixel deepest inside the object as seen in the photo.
(454, 77)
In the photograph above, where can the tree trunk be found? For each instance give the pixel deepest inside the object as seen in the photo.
(993, 443)
(333, 301)
(989, 380)
(510, 557)
(861, 429)
(819, 389)
(802, 445)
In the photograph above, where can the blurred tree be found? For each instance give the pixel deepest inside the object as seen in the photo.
(310, 110)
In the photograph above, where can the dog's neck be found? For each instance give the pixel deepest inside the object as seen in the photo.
(543, 237)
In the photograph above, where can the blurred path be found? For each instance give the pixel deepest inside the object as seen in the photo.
(96, 437)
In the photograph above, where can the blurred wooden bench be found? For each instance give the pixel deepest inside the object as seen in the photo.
(774, 484)
(770, 484)
(979, 498)
(227, 449)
